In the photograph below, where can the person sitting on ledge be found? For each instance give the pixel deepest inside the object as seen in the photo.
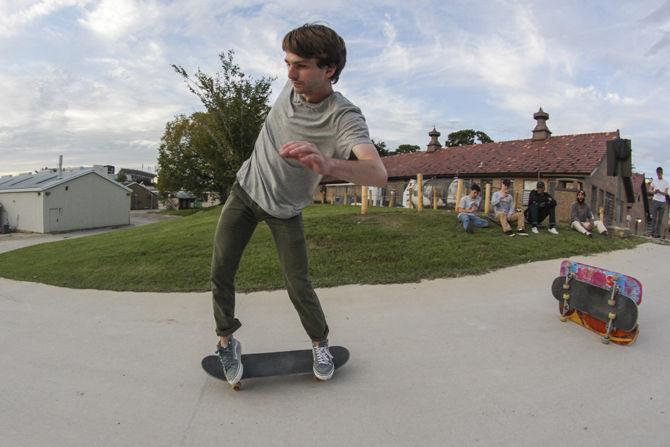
(504, 210)
(467, 210)
(541, 205)
(582, 219)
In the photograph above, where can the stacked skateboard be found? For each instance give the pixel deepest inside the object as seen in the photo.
(600, 300)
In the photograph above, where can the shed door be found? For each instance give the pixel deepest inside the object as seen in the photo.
(54, 218)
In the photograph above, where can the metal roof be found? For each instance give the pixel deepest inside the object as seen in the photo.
(44, 180)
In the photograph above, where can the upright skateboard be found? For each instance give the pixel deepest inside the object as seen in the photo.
(269, 364)
(600, 300)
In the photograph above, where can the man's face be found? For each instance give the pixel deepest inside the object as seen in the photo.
(540, 190)
(580, 197)
(307, 77)
(660, 175)
(474, 193)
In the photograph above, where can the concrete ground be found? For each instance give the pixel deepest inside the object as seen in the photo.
(471, 361)
(13, 241)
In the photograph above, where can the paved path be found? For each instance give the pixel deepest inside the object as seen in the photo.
(472, 361)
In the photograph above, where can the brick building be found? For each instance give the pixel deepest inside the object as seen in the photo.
(566, 163)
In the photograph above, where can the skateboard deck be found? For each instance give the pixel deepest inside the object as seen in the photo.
(269, 364)
(593, 301)
(604, 279)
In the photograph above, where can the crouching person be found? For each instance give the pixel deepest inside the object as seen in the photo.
(582, 218)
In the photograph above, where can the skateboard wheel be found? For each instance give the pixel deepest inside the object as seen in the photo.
(237, 386)
(611, 315)
(566, 296)
(605, 340)
(566, 286)
(563, 318)
(611, 302)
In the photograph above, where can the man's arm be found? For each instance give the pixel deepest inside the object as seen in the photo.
(367, 170)
(461, 206)
(495, 199)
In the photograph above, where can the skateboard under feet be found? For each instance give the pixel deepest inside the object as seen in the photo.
(270, 364)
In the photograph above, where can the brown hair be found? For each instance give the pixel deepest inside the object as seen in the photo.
(313, 41)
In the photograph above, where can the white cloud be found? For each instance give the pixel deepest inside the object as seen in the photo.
(479, 64)
(14, 15)
(112, 19)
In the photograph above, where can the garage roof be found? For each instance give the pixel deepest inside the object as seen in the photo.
(44, 180)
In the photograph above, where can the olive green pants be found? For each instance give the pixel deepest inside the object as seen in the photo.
(237, 223)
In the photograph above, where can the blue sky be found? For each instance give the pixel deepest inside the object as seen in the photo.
(91, 79)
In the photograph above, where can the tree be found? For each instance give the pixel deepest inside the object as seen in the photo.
(406, 148)
(467, 137)
(187, 156)
(212, 146)
(381, 148)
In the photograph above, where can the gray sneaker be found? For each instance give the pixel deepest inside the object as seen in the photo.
(231, 360)
(323, 361)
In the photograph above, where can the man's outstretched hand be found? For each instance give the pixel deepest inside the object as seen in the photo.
(307, 154)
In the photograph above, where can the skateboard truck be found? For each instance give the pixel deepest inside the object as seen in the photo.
(566, 296)
(611, 315)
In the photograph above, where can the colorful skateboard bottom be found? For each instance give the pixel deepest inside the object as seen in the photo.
(595, 301)
(603, 278)
(617, 336)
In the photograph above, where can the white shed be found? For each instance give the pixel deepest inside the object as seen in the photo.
(49, 202)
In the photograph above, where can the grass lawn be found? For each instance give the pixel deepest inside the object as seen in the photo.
(386, 246)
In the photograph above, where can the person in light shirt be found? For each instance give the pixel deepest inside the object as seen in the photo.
(659, 188)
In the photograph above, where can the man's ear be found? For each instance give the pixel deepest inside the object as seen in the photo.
(330, 71)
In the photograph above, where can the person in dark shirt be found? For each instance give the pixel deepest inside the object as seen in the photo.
(541, 205)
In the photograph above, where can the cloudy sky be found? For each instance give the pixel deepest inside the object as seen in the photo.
(91, 79)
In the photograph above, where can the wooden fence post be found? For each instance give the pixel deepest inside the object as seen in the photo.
(434, 197)
(517, 199)
(419, 192)
(392, 200)
(459, 193)
(364, 200)
(487, 199)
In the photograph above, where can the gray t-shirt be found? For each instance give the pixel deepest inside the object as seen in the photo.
(502, 204)
(468, 202)
(280, 186)
(580, 213)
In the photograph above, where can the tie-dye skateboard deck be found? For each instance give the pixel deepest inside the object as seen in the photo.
(600, 300)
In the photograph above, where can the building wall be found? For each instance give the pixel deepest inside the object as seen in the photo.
(142, 198)
(89, 201)
(23, 211)
(616, 208)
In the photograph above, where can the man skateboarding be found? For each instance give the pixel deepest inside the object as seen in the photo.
(311, 131)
